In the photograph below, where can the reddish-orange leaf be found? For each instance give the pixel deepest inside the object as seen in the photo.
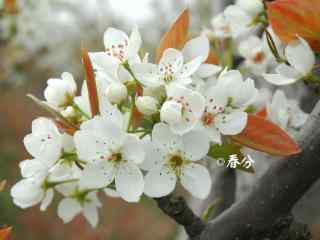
(91, 83)
(263, 135)
(5, 232)
(176, 36)
(262, 113)
(212, 58)
(290, 18)
(10, 6)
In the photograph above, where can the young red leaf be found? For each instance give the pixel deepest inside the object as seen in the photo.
(262, 113)
(176, 36)
(263, 135)
(91, 83)
(5, 232)
(212, 58)
(290, 18)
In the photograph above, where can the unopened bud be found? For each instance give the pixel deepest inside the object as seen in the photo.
(147, 105)
(116, 93)
(171, 112)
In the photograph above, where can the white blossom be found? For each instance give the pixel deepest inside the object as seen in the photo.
(60, 92)
(171, 157)
(183, 109)
(301, 59)
(111, 154)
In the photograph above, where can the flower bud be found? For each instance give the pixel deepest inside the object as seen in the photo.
(171, 112)
(60, 92)
(147, 105)
(117, 92)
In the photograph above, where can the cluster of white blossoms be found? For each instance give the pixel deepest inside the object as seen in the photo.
(108, 153)
(143, 128)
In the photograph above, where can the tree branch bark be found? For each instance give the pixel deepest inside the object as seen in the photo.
(177, 209)
(275, 193)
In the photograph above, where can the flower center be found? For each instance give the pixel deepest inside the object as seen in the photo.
(116, 157)
(208, 119)
(118, 51)
(259, 57)
(176, 161)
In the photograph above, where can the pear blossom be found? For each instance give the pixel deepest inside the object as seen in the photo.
(111, 155)
(80, 203)
(182, 109)
(119, 49)
(257, 57)
(60, 92)
(147, 105)
(171, 69)
(301, 59)
(225, 104)
(45, 142)
(284, 112)
(241, 15)
(170, 157)
(29, 192)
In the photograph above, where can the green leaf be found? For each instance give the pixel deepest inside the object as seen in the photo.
(225, 151)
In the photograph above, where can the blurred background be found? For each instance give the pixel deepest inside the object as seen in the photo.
(41, 39)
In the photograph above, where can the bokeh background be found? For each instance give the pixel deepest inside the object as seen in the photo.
(40, 39)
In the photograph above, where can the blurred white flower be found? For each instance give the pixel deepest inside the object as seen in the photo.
(301, 59)
(286, 113)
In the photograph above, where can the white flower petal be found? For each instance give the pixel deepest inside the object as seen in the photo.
(129, 182)
(195, 145)
(278, 79)
(31, 167)
(133, 150)
(46, 201)
(97, 175)
(196, 47)
(196, 179)
(300, 56)
(90, 212)
(111, 193)
(232, 123)
(164, 138)
(207, 70)
(90, 147)
(155, 157)
(171, 58)
(68, 208)
(159, 183)
(134, 43)
(190, 68)
(147, 74)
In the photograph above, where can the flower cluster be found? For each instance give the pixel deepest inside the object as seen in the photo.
(140, 127)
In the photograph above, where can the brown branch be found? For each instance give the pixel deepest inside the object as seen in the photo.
(275, 193)
(177, 209)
